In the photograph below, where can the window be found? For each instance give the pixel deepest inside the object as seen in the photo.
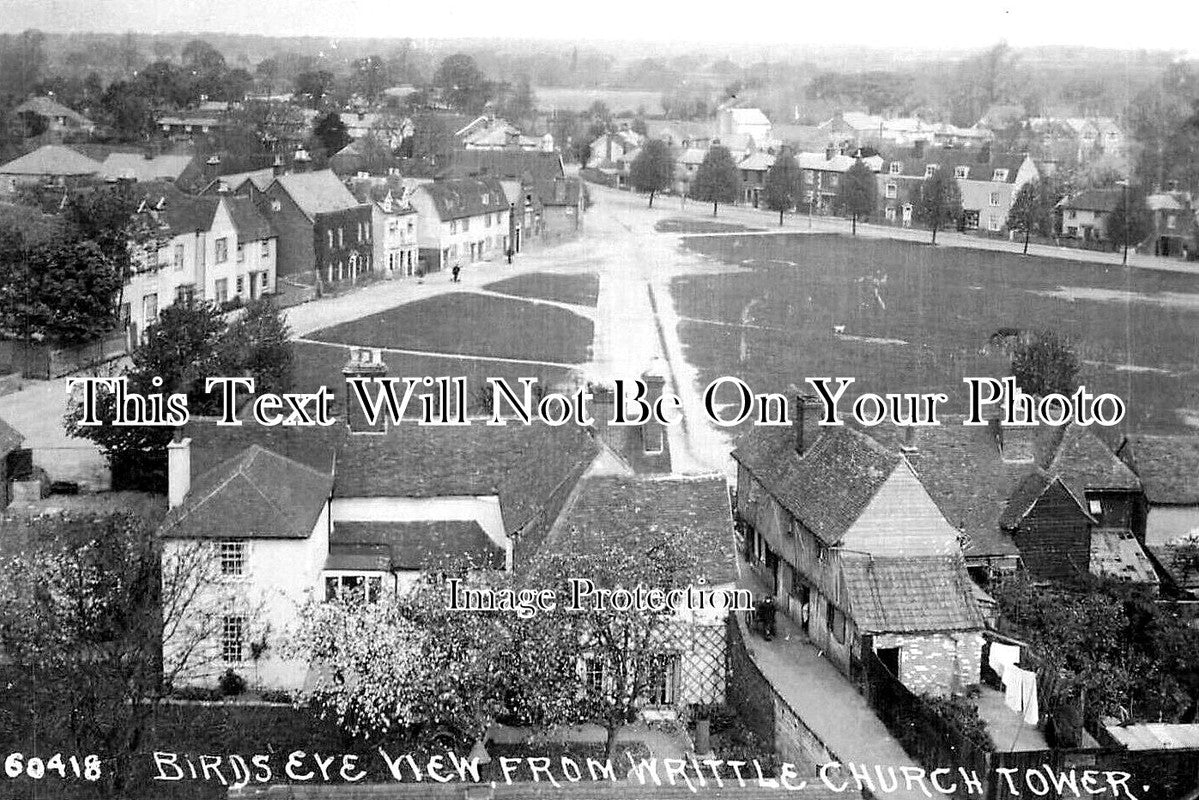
(184, 295)
(994, 223)
(892, 191)
(233, 634)
(833, 180)
(836, 623)
(453, 226)
(149, 308)
(466, 225)
(222, 250)
(1171, 221)
(1094, 506)
(341, 237)
(276, 205)
(241, 253)
(662, 681)
(890, 213)
(330, 238)
(241, 284)
(220, 290)
(266, 248)
(178, 256)
(961, 172)
(1000, 175)
(487, 221)
(994, 198)
(896, 167)
(233, 557)
(1074, 214)
(929, 170)
(593, 674)
(354, 588)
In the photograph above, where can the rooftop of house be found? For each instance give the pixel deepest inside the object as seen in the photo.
(49, 107)
(144, 167)
(757, 162)
(829, 487)
(320, 192)
(260, 178)
(522, 165)
(1030, 489)
(978, 163)
(213, 444)
(258, 493)
(52, 159)
(1116, 554)
(1103, 200)
(558, 192)
(1084, 462)
(747, 116)
(10, 438)
(1168, 467)
(636, 514)
(391, 546)
(465, 197)
(250, 223)
(676, 131)
(911, 594)
(521, 464)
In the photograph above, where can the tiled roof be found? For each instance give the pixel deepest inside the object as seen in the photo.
(757, 161)
(213, 444)
(829, 487)
(523, 464)
(819, 161)
(416, 545)
(978, 168)
(632, 514)
(961, 468)
(561, 192)
(318, 192)
(49, 107)
(1168, 467)
(1115, 553)
(466, 197)
(522, 165)
(260, 178)
(257, 494)
(1105, 200)
(1029, 491)
(910, 594)
(10, 439)
(250, 223)
(1085, 463)
(52, 159)
(136, 166)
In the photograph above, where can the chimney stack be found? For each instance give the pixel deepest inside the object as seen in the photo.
(277, 166)
(179, 470)
(365, 362)
(653, 436)
(805, 422)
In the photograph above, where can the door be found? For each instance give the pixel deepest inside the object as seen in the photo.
(889, 656)
(907, 215)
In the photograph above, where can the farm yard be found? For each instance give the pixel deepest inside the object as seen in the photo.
(906, 317)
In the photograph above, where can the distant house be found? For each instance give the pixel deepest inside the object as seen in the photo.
(561, 204)
(144, 167)
(1174, 225)
(821, 175)
(525, 166)
(857, 552)
(988, 184)
(633, 516)
(49, 163)
(461, 221)
(188, 126)
(216, 248)
(249, 184)
(352, 511)
(57, 119)
(322, 226)
(749, 122)
(753, 169)
(1085, 215)
(1168, 467)
(611, 148)
(486, 133)
(686, 165)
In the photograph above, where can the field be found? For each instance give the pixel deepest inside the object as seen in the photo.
(918, 318)
(473, 324)
(620, 102)
(687, 225)
(580, 290)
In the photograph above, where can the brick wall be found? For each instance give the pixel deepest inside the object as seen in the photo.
(937, 663)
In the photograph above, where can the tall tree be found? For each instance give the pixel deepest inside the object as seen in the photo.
(61, 291)
(127, 111)
(940, 201)
(782, 183)
(258, 343)
(331, 132)
(1033, 209)
(369, 76)
(462, 83)
(858, 196)
(22, 62)
(313, 86)
(1129, 224)
(652, 170)
(716, 180)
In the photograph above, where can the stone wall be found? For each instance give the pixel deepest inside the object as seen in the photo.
(936, 663)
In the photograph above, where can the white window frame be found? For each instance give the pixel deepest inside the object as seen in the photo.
(892, 190)
(231, 557)
(221, 250)
(929, 169)
(994, 199)
(233, 638)
(999, 174)
(961, 172)
(896, 167)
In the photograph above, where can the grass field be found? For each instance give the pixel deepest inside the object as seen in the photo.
(686, 225)
(918, 318)
(473, 324)
(581, 290)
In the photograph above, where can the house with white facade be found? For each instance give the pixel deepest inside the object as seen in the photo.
(462, 221)
(216, 248)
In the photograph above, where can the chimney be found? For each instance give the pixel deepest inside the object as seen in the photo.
(300, 160)
(911, 439)
(277, 166)
(212, 167)
(653, 435)
(179, 469)
(829, 152)
(805, 422)
(366, 362)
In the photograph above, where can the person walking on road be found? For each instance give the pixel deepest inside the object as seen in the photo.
(457, 269)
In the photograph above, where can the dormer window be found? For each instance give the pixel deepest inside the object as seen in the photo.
(961, 172)
(1000, 175)
(929, 170)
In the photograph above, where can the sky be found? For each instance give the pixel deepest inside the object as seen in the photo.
(935, 24)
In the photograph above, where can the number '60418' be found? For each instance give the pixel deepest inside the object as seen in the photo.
(17, 765)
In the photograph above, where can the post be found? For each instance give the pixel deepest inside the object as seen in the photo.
(1124, 233)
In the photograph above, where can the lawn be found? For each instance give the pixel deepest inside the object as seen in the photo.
(686, 225)
(918, 318)
(580, 290)
(473, 324)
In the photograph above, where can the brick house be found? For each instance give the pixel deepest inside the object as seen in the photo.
(821, 175)
(753, 169)
(289, 515)
(322, 227)
(461, 221)
(856, 551)
(394, 221)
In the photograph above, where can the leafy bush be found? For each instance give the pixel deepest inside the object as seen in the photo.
(197, 693)
(962, 716)
(232, 684)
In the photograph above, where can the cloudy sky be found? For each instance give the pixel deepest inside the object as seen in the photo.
(936, 23)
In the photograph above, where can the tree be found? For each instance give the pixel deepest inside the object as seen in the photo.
(1033, 210)
(1129, 224)
(22, 62)
(652, 170)
(1045, 363)
(522, 103)
(858, 196)
(313, 86)
(369, 76)
(258, 344)
(128, 111)
(202, 58)
(782, 183)
(331, 132)
(716, 180)
(463, 85)
(940, 201)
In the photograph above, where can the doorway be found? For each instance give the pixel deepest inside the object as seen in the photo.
(889, 656)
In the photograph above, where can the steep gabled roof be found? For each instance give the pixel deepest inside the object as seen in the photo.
(257, 494)
(52, 159)
(414, 545)
(830, 486)
(1168, 467)
(1085, 463)
(317, 192)
(250, 223)
(1103, 200)
(910, 594)
(634, 514)
(49, 107)
(466, 197)
(1035, 484)
(260, 178)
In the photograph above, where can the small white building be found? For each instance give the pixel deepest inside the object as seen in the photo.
(462, 221)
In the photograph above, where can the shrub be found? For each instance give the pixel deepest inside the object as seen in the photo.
(232, 684)
(277, 696)
(197, 693)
